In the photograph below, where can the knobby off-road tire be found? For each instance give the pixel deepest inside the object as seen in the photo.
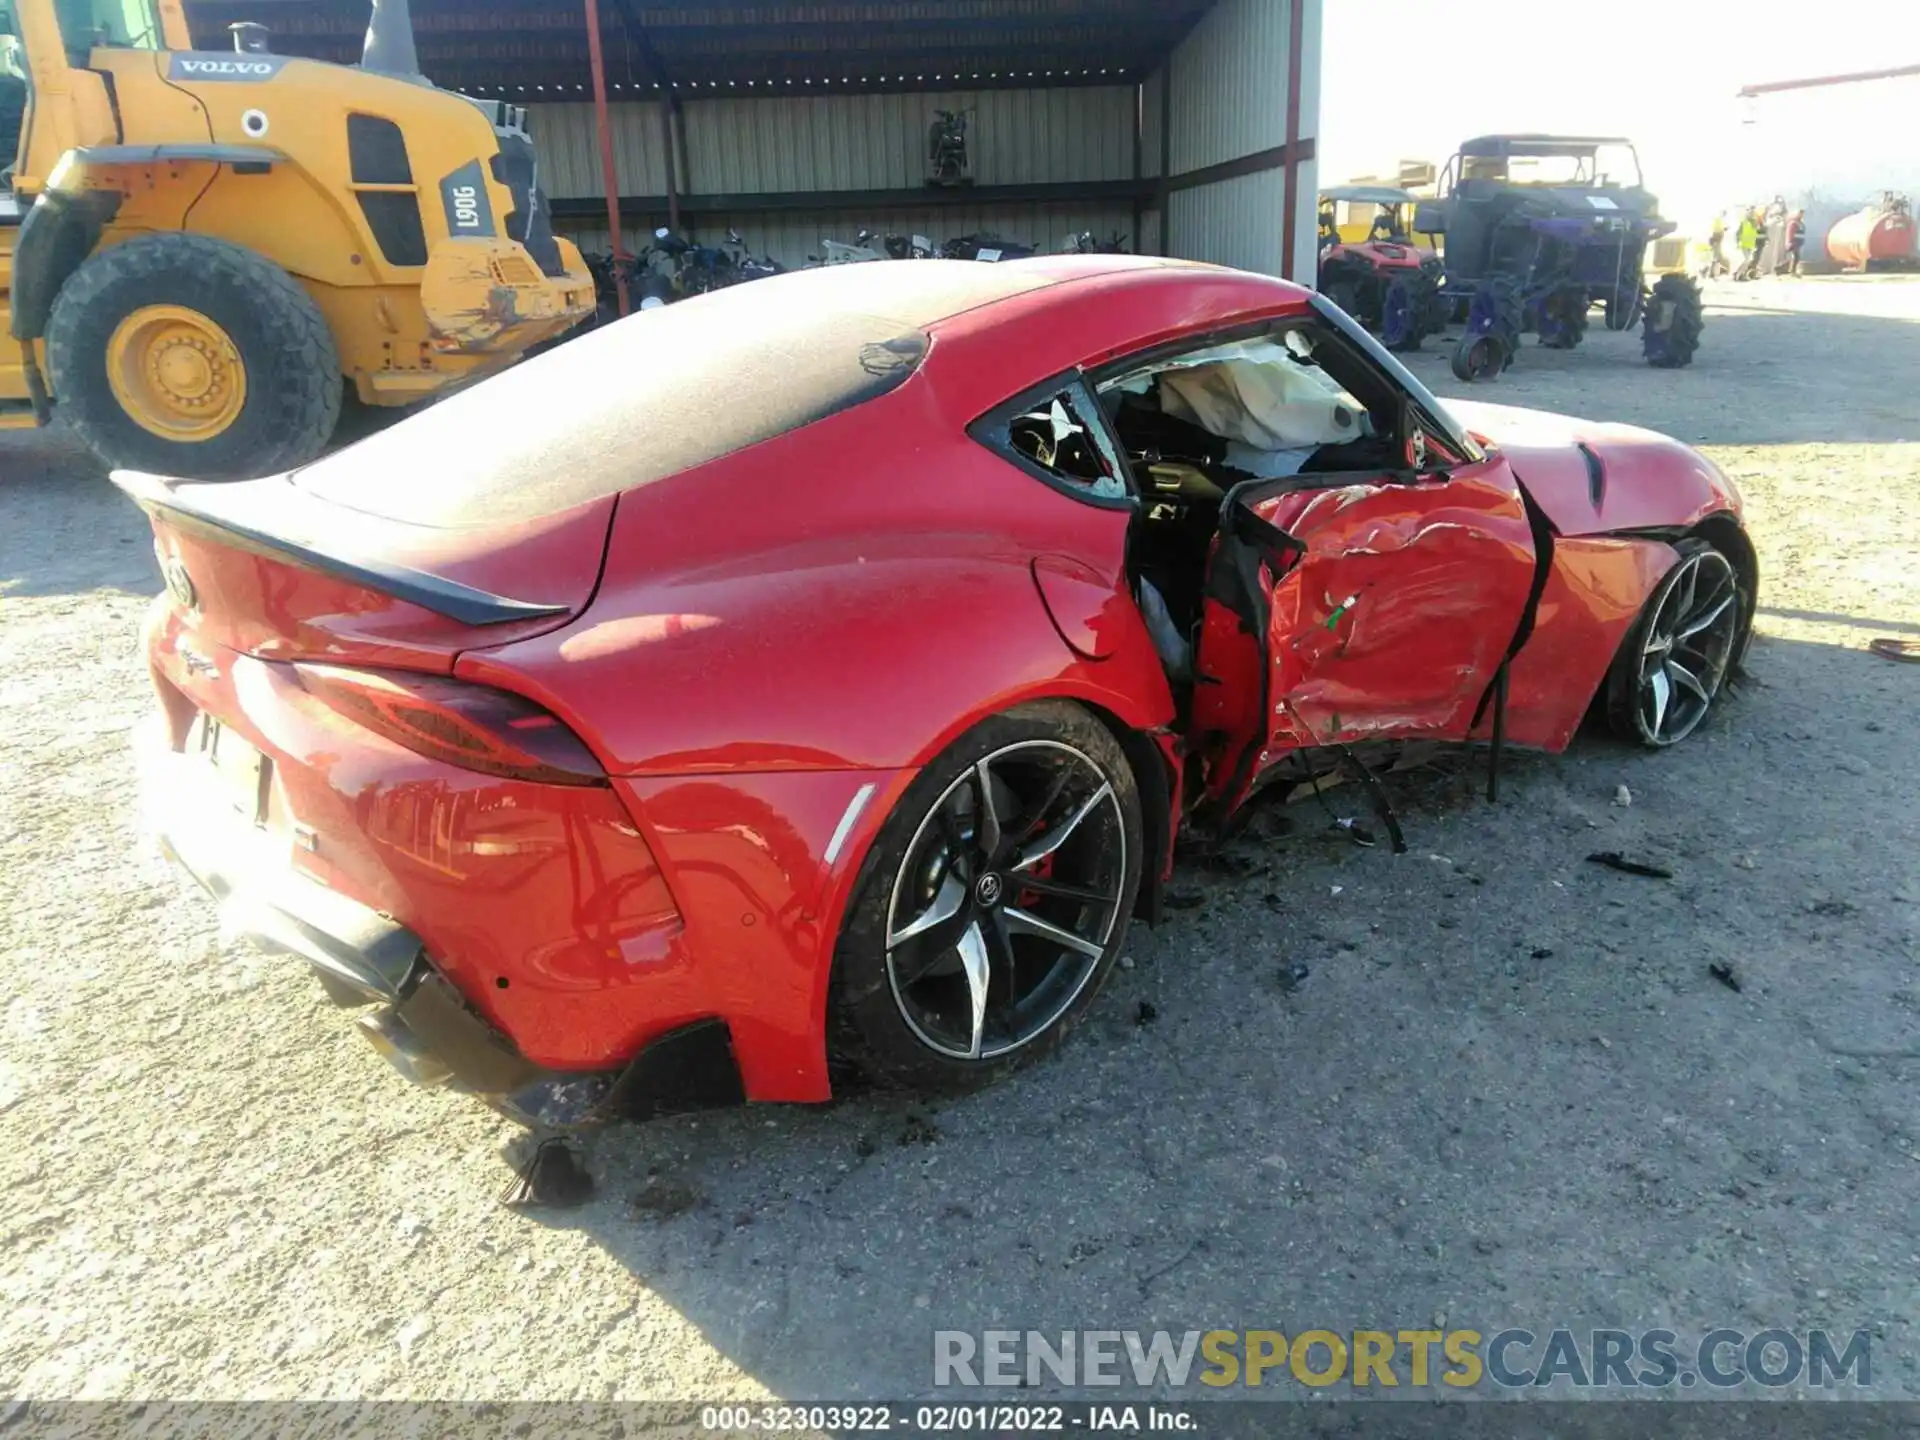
(947, 893)
(1406, 312)
(1672, 322)
(280, 348)
(1563, 319)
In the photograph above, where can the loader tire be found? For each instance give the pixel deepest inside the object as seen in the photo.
(184, 355)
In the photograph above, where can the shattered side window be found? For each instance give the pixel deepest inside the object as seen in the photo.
(1056, 435)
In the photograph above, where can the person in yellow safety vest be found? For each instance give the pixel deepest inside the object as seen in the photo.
(1716, 248)
(1749, 238)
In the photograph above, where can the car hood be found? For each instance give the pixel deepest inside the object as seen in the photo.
(1593, 477)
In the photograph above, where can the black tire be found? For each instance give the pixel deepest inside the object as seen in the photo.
(1492, 337)
(1406, 312)
(292, 369)
(1670, 329)
(1709, 656)
(1346, 294)
(1563, 318)
(1623, 311)
(870, 1038)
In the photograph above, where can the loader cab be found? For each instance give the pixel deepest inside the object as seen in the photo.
(13, 104)
(47, 51)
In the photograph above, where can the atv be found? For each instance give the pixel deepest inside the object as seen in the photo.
(1384, 281)
(1539, 228)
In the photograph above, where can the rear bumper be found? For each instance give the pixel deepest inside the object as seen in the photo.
(490, 298)
(422, 1026)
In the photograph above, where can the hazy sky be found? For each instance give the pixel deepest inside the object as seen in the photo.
(1413, 78)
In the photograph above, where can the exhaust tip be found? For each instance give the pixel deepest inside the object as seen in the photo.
(402, 1049)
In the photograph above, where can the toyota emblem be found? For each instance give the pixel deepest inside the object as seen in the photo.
(179, 583)
(987, 891)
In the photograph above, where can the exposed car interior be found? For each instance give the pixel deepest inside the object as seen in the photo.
(1287, 409)
(1293, 405)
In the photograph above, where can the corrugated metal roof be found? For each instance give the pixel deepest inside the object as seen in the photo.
(745, 48)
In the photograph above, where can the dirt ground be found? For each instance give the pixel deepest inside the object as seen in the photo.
(1508, 1091)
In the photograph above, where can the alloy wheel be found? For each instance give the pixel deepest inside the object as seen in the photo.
(1687, 648)
(1005, 902)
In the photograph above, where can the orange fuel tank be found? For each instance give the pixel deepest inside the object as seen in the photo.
(1874, 238)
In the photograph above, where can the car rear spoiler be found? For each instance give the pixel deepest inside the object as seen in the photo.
(221, 513)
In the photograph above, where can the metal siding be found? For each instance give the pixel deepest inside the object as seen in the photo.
(569, 149)
(794, 239)
(1230, 85)
(843, 142)
(1229, 101)
(1150, 128)
(1233, 222)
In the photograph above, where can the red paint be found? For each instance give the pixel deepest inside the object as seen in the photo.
(780, 630)
(1594, 591)
(1647, 480)
(1377, 255)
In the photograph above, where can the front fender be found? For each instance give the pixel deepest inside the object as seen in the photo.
(1594, 478)
(55, 237)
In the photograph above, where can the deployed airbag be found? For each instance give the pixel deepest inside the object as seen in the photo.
(1258, 395)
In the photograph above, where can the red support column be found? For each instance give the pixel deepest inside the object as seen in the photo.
(1290, 207)
(609, 173)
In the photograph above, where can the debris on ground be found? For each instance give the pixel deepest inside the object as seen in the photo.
(1623, 797)
(1335, 889)
(555, 1177)
(1126, 962)
(1292, 977)
(662, 1198)
(1146, 1014)
(1614, 860)
(1356, 832)
(1542, 952)
(1724, 972)
(1744, 862)
(919, 1130)
(1233, 863)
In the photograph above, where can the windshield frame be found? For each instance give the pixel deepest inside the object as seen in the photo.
(111, 25)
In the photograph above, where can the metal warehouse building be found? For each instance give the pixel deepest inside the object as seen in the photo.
(1187, 126)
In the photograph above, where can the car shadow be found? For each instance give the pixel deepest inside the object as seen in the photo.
(1808, 364)
(1481, 1080)
(64, 529)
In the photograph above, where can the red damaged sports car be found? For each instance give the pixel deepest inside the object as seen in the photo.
(808, 680)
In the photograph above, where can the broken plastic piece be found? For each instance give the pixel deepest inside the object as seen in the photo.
(1382, 807)
(1614, 860)
(553, 1177)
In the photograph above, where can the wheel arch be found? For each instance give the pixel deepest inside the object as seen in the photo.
(1724, 531)
(1156, 775)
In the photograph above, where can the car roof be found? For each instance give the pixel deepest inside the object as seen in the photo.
(665, 391)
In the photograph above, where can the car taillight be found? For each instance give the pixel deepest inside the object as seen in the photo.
(473, 726)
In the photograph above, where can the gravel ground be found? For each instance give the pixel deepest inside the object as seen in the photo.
(1509, 1091)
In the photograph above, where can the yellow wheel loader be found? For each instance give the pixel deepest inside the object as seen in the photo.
(200, 251)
